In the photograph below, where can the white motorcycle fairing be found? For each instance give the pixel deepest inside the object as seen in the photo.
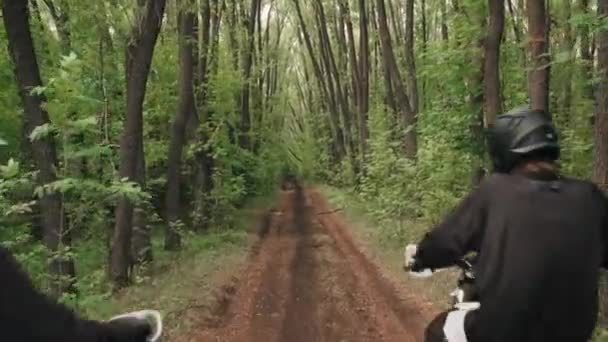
(453, 329)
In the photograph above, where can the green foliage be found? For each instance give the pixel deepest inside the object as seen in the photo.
(388, 174)
(84, 87)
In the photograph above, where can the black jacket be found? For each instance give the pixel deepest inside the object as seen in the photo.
(27, 315)
(541, 245)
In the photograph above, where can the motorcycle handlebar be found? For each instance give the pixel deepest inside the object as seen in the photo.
(465, 263)
(153, 318)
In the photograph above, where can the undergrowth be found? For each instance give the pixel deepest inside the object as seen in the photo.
(178, 284)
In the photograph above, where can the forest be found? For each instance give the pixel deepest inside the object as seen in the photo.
(130, 128)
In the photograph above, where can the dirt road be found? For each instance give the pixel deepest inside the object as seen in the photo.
(307, 281)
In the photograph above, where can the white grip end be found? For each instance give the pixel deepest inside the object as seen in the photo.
(152, 316)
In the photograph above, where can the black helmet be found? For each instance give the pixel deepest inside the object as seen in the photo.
(521, 133)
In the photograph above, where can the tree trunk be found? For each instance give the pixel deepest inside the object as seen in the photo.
(185, 110)
(325, 89)
(425, 35)
(354, 73)
(61, 19)
(515, 23)
(538, 78)
(444, 23)
(139, 59)
(142, 239)
(600, 150)
(209, 28)
(204, 31)
(410, 58)
(388, 56)
(21, 49)
(332, 99)
(245, 139)
(232, 34)
(43, 52)
(425, 39)
(569, 42)
(586, 52)
(491, 78)
(397, 32)
(363, 77)
(334, 73)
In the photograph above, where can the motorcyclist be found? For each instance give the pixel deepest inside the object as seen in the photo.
(27, 315)
(540, 239)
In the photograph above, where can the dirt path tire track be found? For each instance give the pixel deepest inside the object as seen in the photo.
(308, 281)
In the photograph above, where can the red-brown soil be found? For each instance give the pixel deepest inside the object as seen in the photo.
(307, 280)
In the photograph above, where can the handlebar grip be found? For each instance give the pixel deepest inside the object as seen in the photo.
(153, 317)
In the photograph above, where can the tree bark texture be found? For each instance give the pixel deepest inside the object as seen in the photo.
(410, 58)
(600, 150)
(363, 77)
(335, 80)
(586, 50)
(142, 239)
(388, 56)
(244, 138)
(338, 143)
(185, 110)
(491, 78)
(538, 45)
(138, 61)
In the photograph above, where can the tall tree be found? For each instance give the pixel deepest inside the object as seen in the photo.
(363, 73)
(208, 29)
(600, 150)
(538, 36)
(249, 24)
(140, 50)
(444, 23)
(334, 80)
(586, 50)
(568, 48)
(392, 72)
(491, 75)
(356, 81)
(21, 49)
(142, 239)
(338, 136)
(410, 57)
(185, 110)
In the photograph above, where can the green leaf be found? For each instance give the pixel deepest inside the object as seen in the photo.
(38, 90)
(90, 152)
(83, 125)
(68, 60)
(42, 131)
(10, 170)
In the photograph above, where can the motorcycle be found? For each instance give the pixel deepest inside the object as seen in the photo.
(463, 297)
(152, 317)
